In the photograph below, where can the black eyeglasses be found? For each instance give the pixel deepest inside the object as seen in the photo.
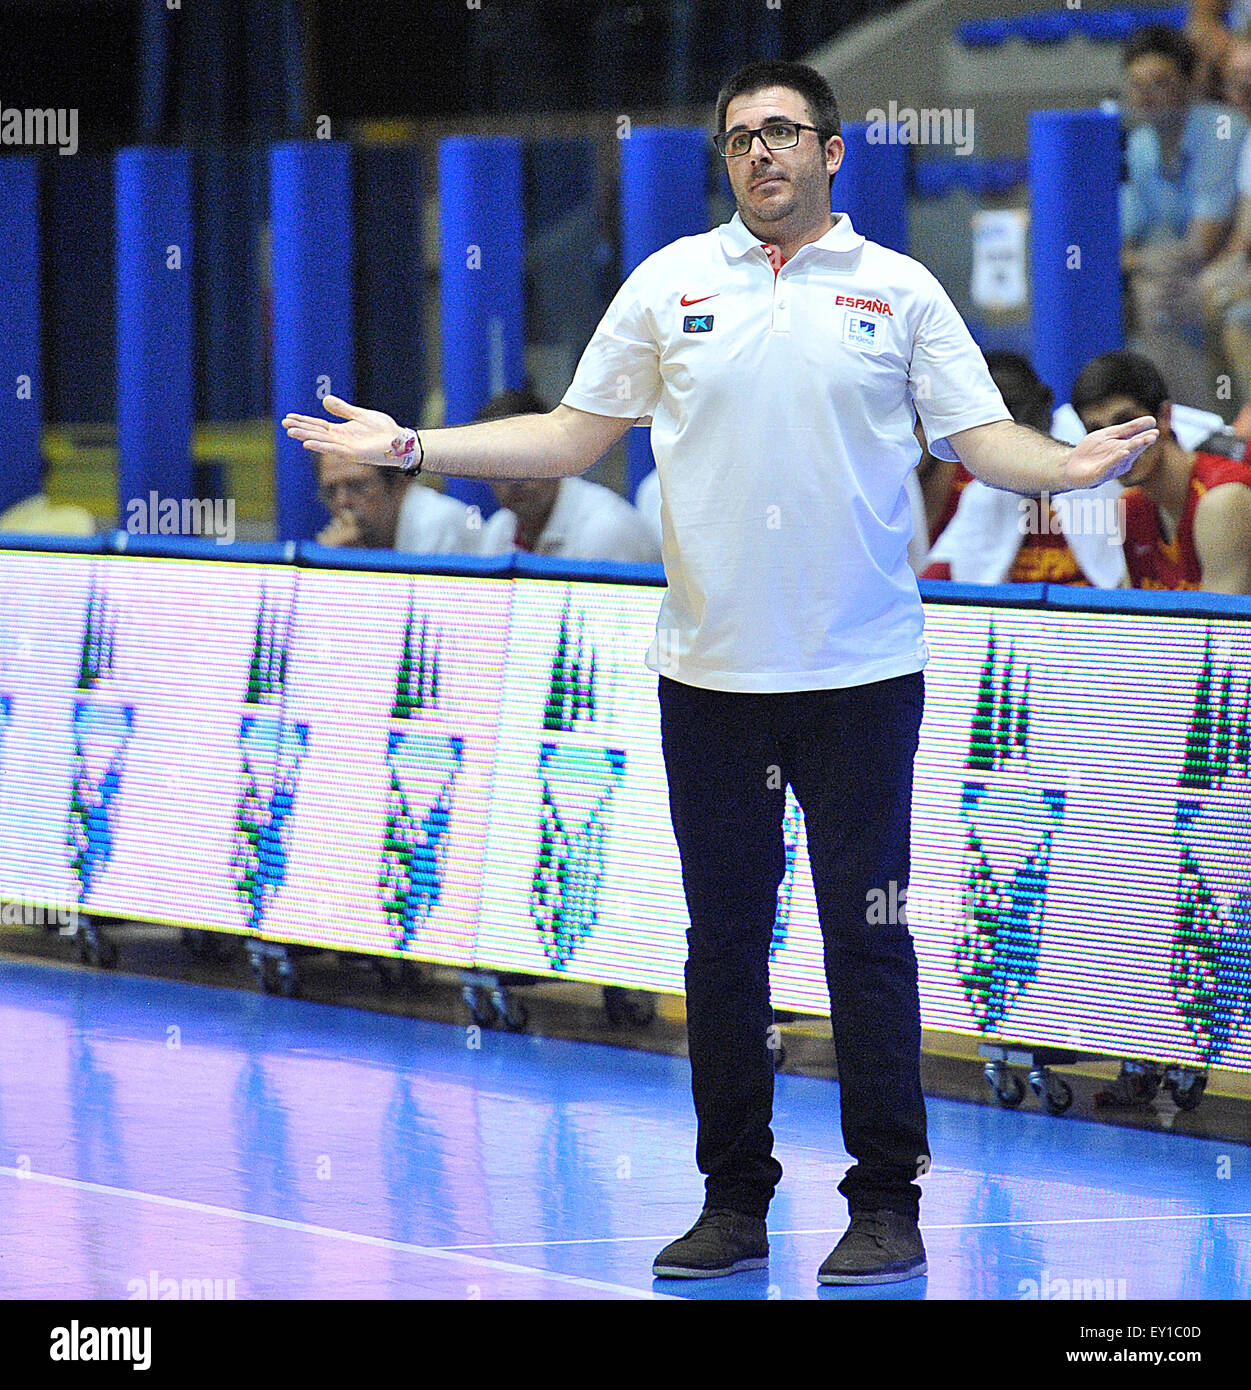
(777, 135)
(356, 488)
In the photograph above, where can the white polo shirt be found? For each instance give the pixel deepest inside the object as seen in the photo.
(782, 412)
(647, 504)
(432, 523)
(588, 522)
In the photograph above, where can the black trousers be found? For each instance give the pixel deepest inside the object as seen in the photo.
(848, 755)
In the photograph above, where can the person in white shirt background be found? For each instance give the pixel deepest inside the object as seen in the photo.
(379, 508)
(569, 517)
(982, 541)
(1225, 282)
(782, 361)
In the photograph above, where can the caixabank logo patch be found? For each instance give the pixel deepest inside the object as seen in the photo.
(1010, 822)
(1210, 958)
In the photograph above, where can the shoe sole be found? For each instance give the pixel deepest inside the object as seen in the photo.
(893, 1277)
(686, 1272)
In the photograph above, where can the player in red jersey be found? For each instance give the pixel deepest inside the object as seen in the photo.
(1187, 512)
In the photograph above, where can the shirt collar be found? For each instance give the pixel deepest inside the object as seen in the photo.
(738, 239)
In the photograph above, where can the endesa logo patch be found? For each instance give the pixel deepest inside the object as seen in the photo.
(861, 332)
(697, 323)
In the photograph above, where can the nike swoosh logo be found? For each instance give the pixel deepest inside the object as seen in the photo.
(686, 303)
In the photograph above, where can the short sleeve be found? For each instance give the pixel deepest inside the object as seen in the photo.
(619, 372)
(1135, 203)
(1215, 168)
(951, 385)
(1133, 214)
(1244, 169)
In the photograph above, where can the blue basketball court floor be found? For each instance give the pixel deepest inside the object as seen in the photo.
(154, 1131)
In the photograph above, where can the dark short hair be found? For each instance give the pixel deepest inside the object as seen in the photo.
(1120, 374)
(388, 473)
(1022, 387)
(524, 400)
(796, 77)
(1164, 40)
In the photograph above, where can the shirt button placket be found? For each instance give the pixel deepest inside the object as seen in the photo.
(781, 305)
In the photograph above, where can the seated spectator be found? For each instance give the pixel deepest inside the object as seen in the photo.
(1191, 426)
(1177, 203)
(381, 508)
(1187, 512)
(38, 515)
(1235, 79)
(998, 537)
(1212, 25)
(569, 517)
(941, 483)
(1225, 283)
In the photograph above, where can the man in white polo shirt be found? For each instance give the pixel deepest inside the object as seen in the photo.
(782, 360)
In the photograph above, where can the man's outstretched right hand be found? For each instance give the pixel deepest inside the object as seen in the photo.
(365, 437)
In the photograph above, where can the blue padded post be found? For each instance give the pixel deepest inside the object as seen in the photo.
(871, 187)
(21, 377)
(155, 324)
(311, 218)
(1074, 168)
(664, 196)
(482, 286)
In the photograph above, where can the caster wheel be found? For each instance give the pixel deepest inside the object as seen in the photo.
(1141, 1081)
(640, 1009)
(1058, 1096)
(481, 1008)
(1009, 1091)
(614, 1005)
(286, 982)
(1188, 1097)
(779, 1057)
(1011, 1095)
(512, 1013)
(628, 1008)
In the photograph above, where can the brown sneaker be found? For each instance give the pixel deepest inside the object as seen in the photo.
(720, 1242)
(879, 1247)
